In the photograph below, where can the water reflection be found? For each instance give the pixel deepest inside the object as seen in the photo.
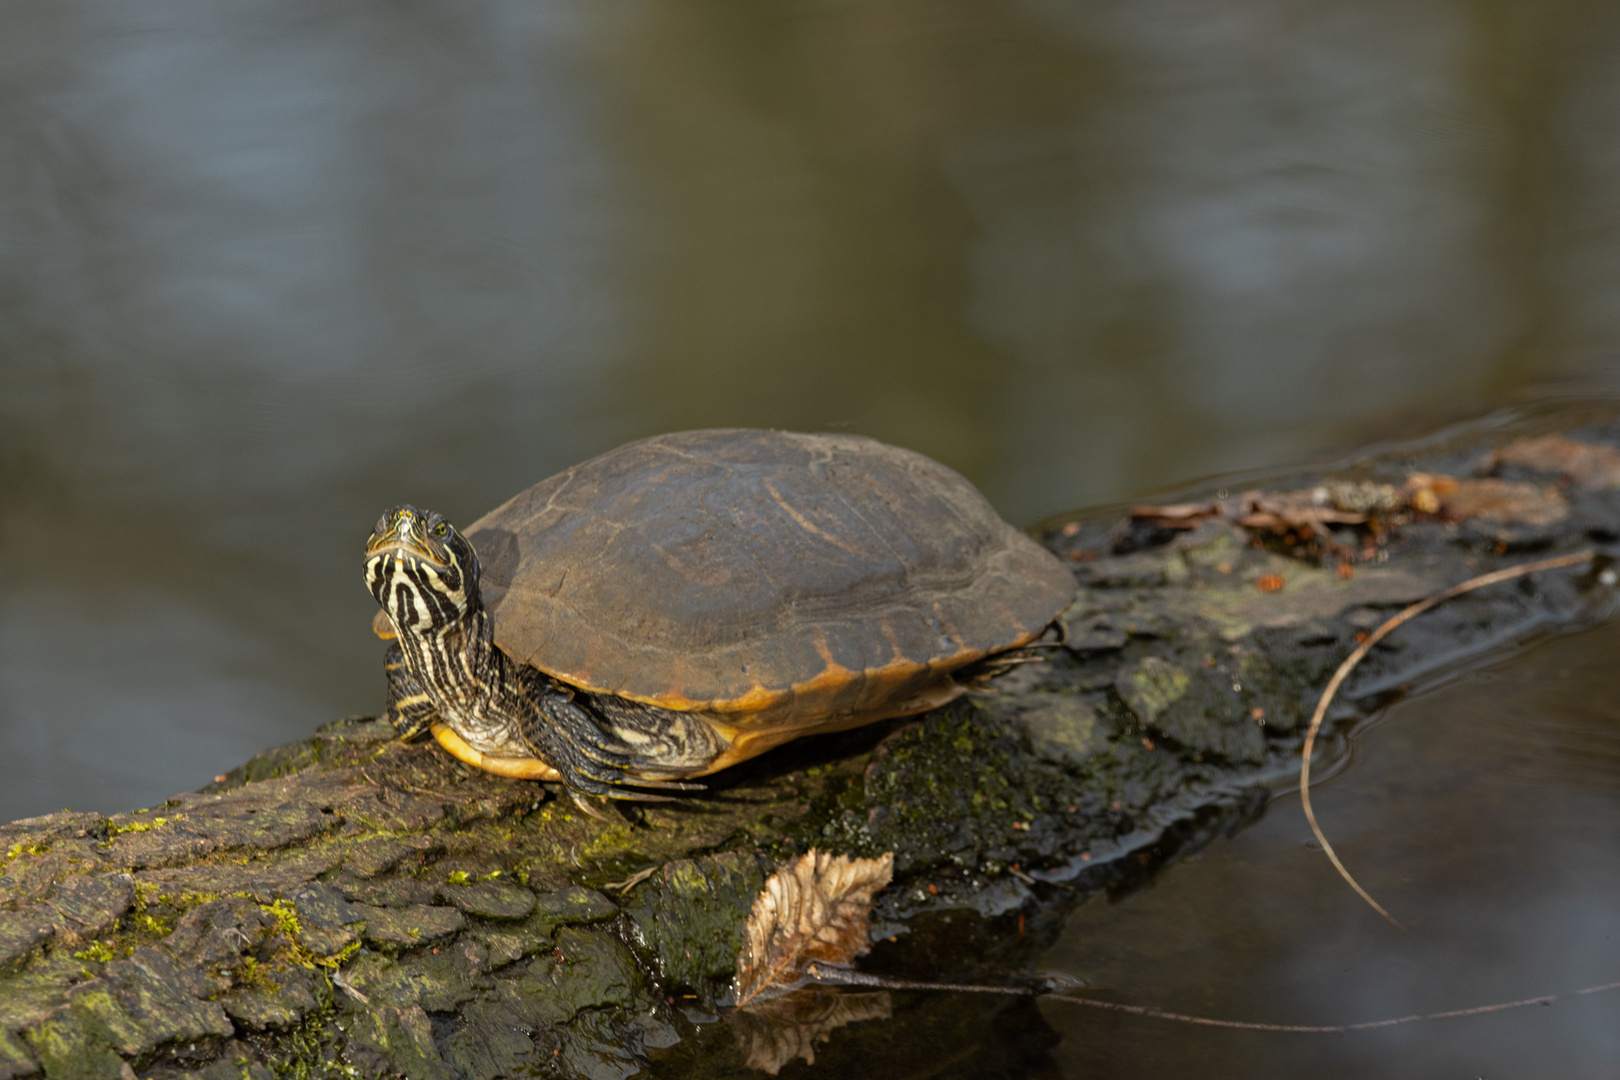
(269, 269)
(266, 269)
(1275, 221)
(168, 688)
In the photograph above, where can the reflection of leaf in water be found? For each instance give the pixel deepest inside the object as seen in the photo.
(818, 907)
(772, 1033)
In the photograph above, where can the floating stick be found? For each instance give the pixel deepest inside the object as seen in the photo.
(1356, 657)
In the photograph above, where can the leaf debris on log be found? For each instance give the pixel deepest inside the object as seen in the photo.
(1309, 517)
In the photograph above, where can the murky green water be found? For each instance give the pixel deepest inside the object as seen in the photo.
(266, 268)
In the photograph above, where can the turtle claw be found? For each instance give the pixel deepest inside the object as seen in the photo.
(665, 785)
(590, 777)
(587, 803)
(619, 783)
(585, 790)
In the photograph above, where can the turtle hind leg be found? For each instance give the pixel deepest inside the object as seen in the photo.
(664, 742)
(590, 759)
(977, 675)
(410, 710)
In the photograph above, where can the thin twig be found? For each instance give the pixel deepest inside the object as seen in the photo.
(400, 787)
(1325, 1029)
(841, 977)
(845, 977)
(633, 880)
(343, 984)
(1360, 653)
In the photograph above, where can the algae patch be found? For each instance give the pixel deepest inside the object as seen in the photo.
(1151, 686)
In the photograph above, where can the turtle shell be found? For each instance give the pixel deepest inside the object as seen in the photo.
(764, 578)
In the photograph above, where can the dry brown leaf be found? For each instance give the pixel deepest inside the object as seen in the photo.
(1176, 515)
(1588, 464)
(1306, 509)
(1425, 490)
(772, 1033)
(1506, 501)
(818, 907)
(1439, 484)
(1309, 513)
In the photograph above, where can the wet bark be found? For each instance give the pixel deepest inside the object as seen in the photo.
(348, 905)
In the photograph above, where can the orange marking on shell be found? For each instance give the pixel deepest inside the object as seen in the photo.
(889, 636)
(807, 525)
(761, 700)
(755, 700)
(819, 634)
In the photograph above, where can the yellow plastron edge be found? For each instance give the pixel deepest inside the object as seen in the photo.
(517, 768)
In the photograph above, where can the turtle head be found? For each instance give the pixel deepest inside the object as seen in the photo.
(421, 570)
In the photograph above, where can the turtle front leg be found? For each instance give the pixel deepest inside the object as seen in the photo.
(410, 710)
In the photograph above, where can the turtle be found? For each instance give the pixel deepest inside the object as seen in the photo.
(691, 600)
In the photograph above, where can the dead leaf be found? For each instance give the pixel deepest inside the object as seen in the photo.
(1588, 464)
(1424, 491)
(1307, 517)
(818, 907)
(1307, 513)
(1506, 501)
(1177, 515)
(1438, 483)
(772, 1033)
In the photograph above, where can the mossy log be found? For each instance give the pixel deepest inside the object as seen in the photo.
(349, 905)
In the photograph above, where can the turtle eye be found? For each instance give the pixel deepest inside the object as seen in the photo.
(440, 529)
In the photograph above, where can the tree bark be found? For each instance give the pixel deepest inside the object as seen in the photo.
(351, 903)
